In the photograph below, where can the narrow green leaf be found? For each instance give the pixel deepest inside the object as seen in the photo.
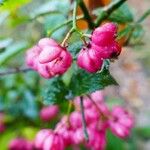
(114, 143)
(125, 32)
(52, 6)
(51, 22)
(5, 42)
(144, 16)
(137, 34)
(12, 50)
(74, 48)
(122, 15)
(143, 132)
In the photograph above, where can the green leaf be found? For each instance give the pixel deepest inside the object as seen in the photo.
(55, 92)
(5, 139)
(52, 6)
(74, 48)
(144, 16)
(3, 17)
(114, 143)
(125, 32)
(5, 42)
(2, 2)
(85, 83)
(13, 6)
(143, 132)
(29, 132)
(137, 34)
(131, 142)
(122, 15)
(81, 83)
(1, 103)
(12, 50)
(29, 102)
(51, 22)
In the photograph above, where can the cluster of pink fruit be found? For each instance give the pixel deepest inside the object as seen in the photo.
(50, 59)
(2, 124)
(69, 131)
(46, 115)
(101, 46)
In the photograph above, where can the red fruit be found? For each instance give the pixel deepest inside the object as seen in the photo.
(66, 132)
(47, 42)
(20, 144)
(54, 142)
(62, 63)
(40, 138)
(32, 57)
(88, 60)
(48, 58)
(49, 53)
(45, 71)
(97, 139)
(75, 120)
(2, 127)
(121, 122)
(48, 113)
(112, 50)
(104, 34)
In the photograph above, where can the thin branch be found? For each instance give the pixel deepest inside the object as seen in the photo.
(63, 44)
(74, 26)
(63, 24)
(69, 111)
(74, 15)
(83, 120)
(144, 16)
(94, 103)
(42, 14)
(107, 10)
(86, 13)
(15, 71)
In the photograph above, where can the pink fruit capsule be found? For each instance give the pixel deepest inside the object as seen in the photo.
(49, 53)
(121, 122)
(40, 138)
(104, 34)
(49, 112)
(47, 42)
(54, 142)
(87, 60)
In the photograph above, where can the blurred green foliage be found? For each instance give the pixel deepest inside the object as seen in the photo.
(22, 24)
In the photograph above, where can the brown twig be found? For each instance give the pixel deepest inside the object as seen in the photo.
(15, 71)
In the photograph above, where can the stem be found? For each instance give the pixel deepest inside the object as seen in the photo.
(143, 17)
(102, 115)
(43, 14)
(14, 71)
(87, 35)
(83, 120)
(106, 11)
(69, 108)
(85, 11)
(95, 104)
(63, 44)
(74, 25)
(63, 24)
(98, 21)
